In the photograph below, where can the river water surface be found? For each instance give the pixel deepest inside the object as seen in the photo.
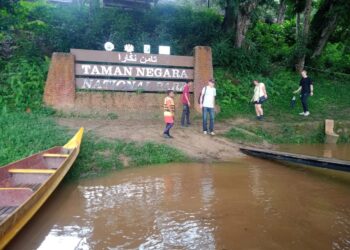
(248, 203)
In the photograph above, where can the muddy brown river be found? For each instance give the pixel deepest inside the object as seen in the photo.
(248, 203)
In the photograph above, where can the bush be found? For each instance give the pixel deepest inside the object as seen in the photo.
(335, 58)
(275, 41)
(239, 59)
(22, 84)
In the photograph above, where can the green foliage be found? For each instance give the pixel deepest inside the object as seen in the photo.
(342, 128)
(23, 134)
(274, 41)
(238, 59)
(112, 116)
(335, 58)
(44, 28)
(22, 84)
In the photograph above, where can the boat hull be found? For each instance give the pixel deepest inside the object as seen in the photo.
(17, 219)
(307, 160)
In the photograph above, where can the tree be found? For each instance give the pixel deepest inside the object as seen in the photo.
(231, 9)
(237, 18)
(331, 13)
(302, 7)
(243, 20)
(281, 11)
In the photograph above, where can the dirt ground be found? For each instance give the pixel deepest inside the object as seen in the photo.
(190, 140)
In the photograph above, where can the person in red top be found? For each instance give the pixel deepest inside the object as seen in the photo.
(185, 117)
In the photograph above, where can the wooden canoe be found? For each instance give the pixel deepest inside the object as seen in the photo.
(320, 162)
(26, 184)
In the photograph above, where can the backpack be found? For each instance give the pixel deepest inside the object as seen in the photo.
(202, 96)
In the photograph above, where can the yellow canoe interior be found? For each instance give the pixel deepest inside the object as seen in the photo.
(26, 184)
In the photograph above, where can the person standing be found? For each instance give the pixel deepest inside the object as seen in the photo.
(207, 104)
(260, 95)
(306, 89)
(169, 113)
(185, 117)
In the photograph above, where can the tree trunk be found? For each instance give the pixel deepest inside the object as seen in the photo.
(281, 11)
(304, 36)
(242, 24)
(324, 36)
(307, 16)
(322, 26)
(242, 21)
(237, 18)
(297, 27)
(230, 16)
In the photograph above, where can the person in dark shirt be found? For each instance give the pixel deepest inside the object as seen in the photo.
(306, 89)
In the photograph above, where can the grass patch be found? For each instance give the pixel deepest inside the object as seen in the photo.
(95, 115)
(342, 128)
(283, 133)
(237, 135)
(100, 155)
(23, 134)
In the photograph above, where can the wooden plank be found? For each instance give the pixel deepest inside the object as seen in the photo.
(321, 162)
(128, 85)
(131, 58)
(56, 155)
(132, 71)
(31, 171)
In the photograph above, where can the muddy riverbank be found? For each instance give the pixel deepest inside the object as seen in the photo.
(189, 140)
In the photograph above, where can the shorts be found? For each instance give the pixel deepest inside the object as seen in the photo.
(261, 100)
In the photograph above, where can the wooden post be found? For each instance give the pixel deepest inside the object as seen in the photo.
(331, 137)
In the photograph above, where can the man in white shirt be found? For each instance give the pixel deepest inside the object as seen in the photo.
(207, 104)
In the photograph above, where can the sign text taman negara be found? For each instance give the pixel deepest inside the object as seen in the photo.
(119, 71)
(132, 71)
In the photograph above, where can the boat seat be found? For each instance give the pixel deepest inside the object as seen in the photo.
(31, 171)
(56, 155)
(15, 188)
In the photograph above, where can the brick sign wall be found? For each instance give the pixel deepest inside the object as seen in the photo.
(103, 81)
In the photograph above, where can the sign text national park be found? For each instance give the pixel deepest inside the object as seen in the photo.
(119, 71)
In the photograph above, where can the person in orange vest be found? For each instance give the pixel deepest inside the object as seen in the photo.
(169, 113)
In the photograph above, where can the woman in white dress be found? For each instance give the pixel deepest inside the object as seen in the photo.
(260, 95)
